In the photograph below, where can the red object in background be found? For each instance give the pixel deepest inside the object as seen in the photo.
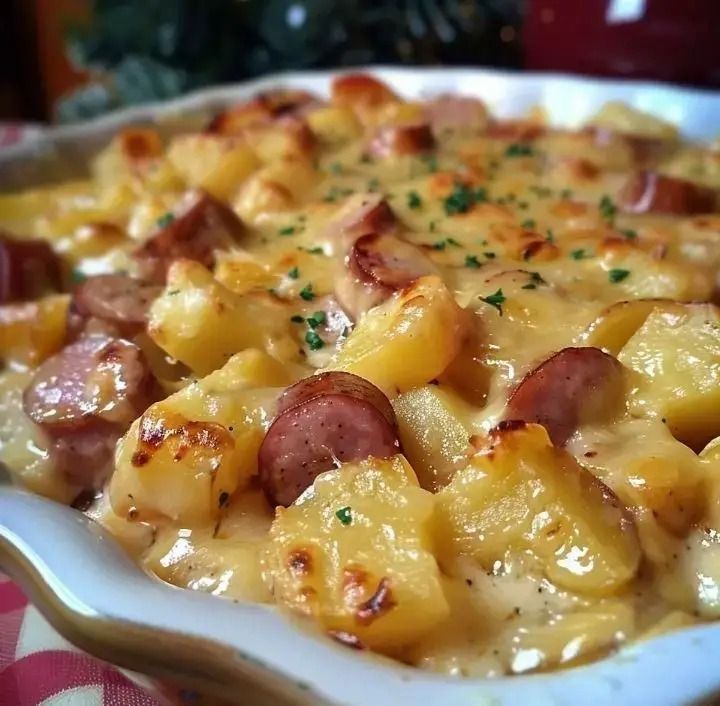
(668, 40)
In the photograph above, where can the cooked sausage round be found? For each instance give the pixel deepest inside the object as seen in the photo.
(388, 262)
(366, 213)
(200, 226)
(393, 140)
(117, 299)
(323, 420)
(449, 112)
(574, 386)
(650, 192)
(96, 377)
(28, 269)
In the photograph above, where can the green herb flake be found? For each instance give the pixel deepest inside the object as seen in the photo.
(307, 293)
(453, 242)
(460, 200)
(373, 184)
(519, 149)
(165, 220)
(629, 233)
(618, 275)
(472, 262)
(288, 230)
(78, 276)
(579, 254)
(316, 250)
(413, 200)
(481, 195)
(490, 255)
(314, 341)
(430, 162)
(529, 224)
(173, 292)
(294, 273)
(344, 514)
(497, 299)
(529, 285)
(550, 236)
(317, 319)
(336, 168)
(607, 208)
(566, 194)
(297, 319)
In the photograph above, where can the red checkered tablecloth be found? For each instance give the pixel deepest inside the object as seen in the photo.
(37, 666)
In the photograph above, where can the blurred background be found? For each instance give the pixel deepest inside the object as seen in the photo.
(65, 60)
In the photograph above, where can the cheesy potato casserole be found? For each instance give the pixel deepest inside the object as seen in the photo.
(445, 386)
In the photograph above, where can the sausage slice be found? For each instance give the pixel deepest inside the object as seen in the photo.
(85, 397)
(28, 269)
(117, 299)
(396, 140)
(324, 420)
(366, 213)
(574, 386)
(651, 192)
(200, 225)
(388, 262)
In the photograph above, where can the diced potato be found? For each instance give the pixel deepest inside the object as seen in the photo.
(647, 468)
(614, 326)
(433, 427)
(33, 331)
(355, 552)
(407, 341)
(202, 323)
(569, 639)
(185, 457)
(621, 117)
(677, 359)
(130, 151)
(219, 563)
(241, 275)
(524, 494)
(217, 164)
(134, 537)
(280, 141)
(334, 124)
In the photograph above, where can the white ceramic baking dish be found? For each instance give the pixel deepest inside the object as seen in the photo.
(252, 654)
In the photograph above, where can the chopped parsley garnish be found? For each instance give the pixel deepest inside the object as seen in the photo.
(523, 205)
(453, 242)
(472, 262)
(373, 184)
(629, 233)
(77, 276)
(413, 199)
(336, 168)
(288, 230)
(578, 254)
(314, 341)
(529, 285)
(294, 273)
(173, 292)
(617, 275)
(529, 224)
(489, 255)
(317, 250)
(519, 149)
(344, 514)
(462, 198)
(440, 245)
(297, 319)
(535, 280)
(307, 293)
(317, 319)
(607, 208)
(566, 194)
(550, 237)
(495, 300)
(541, 191)
(432, 226)
(165, 220)
(335, 193)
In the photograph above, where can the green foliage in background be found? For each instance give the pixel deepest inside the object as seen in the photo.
(144, 50)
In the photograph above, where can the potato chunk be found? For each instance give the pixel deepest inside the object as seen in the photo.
(408, 340)
(354, 551)
(185, 457)
(434, 433)
(522, 493)
(677, 358)
(202, 323)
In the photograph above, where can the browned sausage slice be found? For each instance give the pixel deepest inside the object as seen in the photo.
(574, 386)
(28, 269)
(388, 262)
(118, 299)
(200, 225)
(85, 397)
(394, 140)
(366, 213)
(450, 112)
(650, 192)
(322, 421)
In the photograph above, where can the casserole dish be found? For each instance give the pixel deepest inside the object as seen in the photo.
(372, 679)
